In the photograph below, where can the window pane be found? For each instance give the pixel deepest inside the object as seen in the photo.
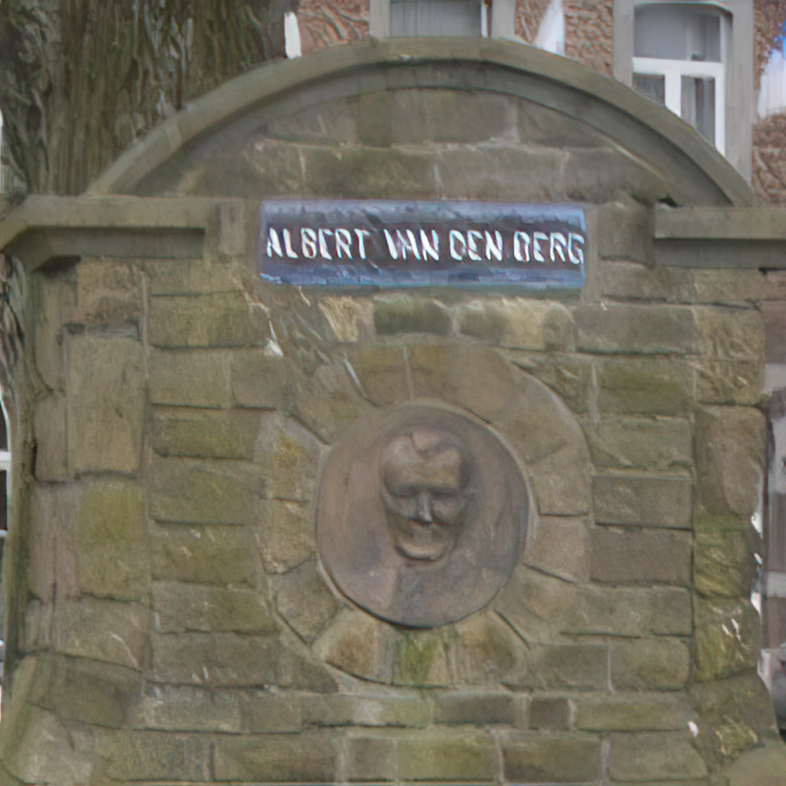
(434, 17)
(676, 31)
(651, 86)
(698, 105)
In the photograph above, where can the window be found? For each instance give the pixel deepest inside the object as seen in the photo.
(696, 58)
(417, 18)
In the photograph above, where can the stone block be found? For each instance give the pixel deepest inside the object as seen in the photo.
(286, 758)
(102, 630)
(476, 708)
(350, 318)
(215, 659)
(178, 608)
(723, 563)
(404, 709)
(548, 713)
(420, 658)
(569, 376)
(150, 755)
(762, 767)
(645, 387)
(464, 756)
(184, 431)
(519, 323)
(628, 611)
(727, 637)
(730, 447)
(729, 381)
(551, 758)
(624, 233)
(407, 314)
(111, 542)
(774, 316)
(561, 482)
(106, 395)
(108, 293)
(659, 443)
(733, 287)
(381, 372)
(287, 536)
(643, 500)
(289, 457)
(215, 320)
(637, 712)
(664, 756)
(50, 430)
(202, 492)
(190, 277)
(561, 547)
(641, 556)
(304, 600)
(583, 667)
(266, 713)
(730, 334)
(55, 300)
(370, 758)
(204, 554)
(650, 664)
(189, 379)
(258, 380)
(170, 708)
(636, 329)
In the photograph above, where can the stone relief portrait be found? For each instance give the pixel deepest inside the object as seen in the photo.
(422, 515)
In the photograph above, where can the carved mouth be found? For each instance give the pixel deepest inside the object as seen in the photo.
(422, 540)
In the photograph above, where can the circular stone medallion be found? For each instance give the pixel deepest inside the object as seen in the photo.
(422, 515)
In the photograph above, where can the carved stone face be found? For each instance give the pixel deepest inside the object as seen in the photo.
(424, 480)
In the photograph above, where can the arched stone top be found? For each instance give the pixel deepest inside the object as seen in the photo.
(646, 132)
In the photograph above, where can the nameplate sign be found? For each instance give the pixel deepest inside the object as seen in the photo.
(415, 244)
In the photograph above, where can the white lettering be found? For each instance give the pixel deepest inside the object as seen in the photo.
(518, 237)
(407, 240)
(343, 243)
(393, 247)
(288, 245)
(273, 244)
(493, 246)
(536, 252)
(558, 245)
(455, 238)
(323, 249)
(308, 241)
(472, 235)
(576, 255)
(430, 249)
(362, 234)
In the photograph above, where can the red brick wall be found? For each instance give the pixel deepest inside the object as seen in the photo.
(529, 15)
(329, 22)
(588, 33)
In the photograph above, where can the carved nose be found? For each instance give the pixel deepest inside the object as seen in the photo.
(424, 506)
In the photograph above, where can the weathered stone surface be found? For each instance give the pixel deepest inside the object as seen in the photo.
(518, 323)
(650, 664)
(624, 233)
(55, 299)
(221, 659)
(638, 712)
(774, 317)
(184, 431)
(267, 713)
(646, 387)
(641, 556)
(215, 320)
(169, 708)
(258, 379)
(408, 314)
(289, 456)
(569, 376)
(349, 318)
(660, 444)
(476, 708)
(111, 542)
(723, 563)
(568, 667)
(50, 429)
(551, 758)
(286, 535)
(108, 293)
(764, 767)
(198, 378)
(631, 612)
(37, 748)
(727, 638)
(151, 755)
(731, 334)
(593, 175)
(402, 709)
(304, 600)
(370, 758)
(561, 482)
(290, 758)
(547, 713)
(646, 500)
(204, 554)
(729, 458)
(106, 395)
(358, 644)
(655, 756)
(561, 547)
(178, 608)
(469, 756)
(729, 381)
(641, 329)
(381, 372)
(190, 277)
(202, 492)
(420, 657)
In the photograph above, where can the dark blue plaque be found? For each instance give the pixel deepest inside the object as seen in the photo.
(416, 244)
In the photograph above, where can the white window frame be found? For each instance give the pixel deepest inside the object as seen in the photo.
(672, 72)
(503, 20)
